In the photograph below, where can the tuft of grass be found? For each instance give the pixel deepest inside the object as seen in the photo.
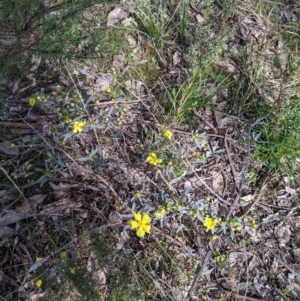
(183, 19)
(153, 21)
(51, 31)
(278, 146)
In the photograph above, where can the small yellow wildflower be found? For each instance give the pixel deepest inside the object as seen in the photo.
(38, 283)
(63, 254)
(254, 224)
(238, 228)
(31, 102)
(107, 90)
(72, 271)
(160, 213)
(168, 134)
(38, 258)
(141, 223)
(78, 126)
(153, 159)
(210, 223)
(137, 194)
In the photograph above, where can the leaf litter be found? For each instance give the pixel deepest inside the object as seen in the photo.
(254, 256)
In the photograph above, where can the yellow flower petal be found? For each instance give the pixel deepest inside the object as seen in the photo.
(147, 228)
(168, 134)
(210, 223)
(146, 219)
(153, 159)
(133, 224)
(63, 254)
(140, 232)
(137, 216)
(31, 102)
(160, 213)
(39, 283)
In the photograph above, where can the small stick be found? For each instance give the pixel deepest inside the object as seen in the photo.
(234, 172)
(256, 199)
(201, 268)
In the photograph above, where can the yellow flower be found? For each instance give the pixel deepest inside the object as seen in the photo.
(153, 160)
(63, 254)
(160, 213)
(137, 194)
(38, 283)
(141, 223)
(254, 225)
(78, 126)
(38, 258)
(210, 223)
(107, 90)
(72, 271)
(168, 134)
(31, 102)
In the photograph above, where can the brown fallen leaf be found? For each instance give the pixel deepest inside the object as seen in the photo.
(6, 231)
(35, 126)
(116, 15)
(114, 218)
(217, 182)
(8, 148)
(23, 211)
(63, 204)
(14, 217)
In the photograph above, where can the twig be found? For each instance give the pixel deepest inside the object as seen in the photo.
(234, 172)
(256, 199)
(200, 269)
(88, 171)
(242, 180)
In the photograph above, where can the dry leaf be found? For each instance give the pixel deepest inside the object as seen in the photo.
(64, 80)
(176, 58)
(217, 182)
(6, 231)
(14, 217)
(199, 18)
(60, 186)
(124, 237)
(37, 264)
(8, 149)
(136, 86)
(219, 112)
(17, 86)
(291, 191)
(103, 82)
(114, 218)
(283, 59)
(115, 16)
(215, 206)
(5, 197)
(61, 205)
(31, 116)
(192, 184)
(37, 62)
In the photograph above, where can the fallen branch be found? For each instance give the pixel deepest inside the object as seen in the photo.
(200, 270)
